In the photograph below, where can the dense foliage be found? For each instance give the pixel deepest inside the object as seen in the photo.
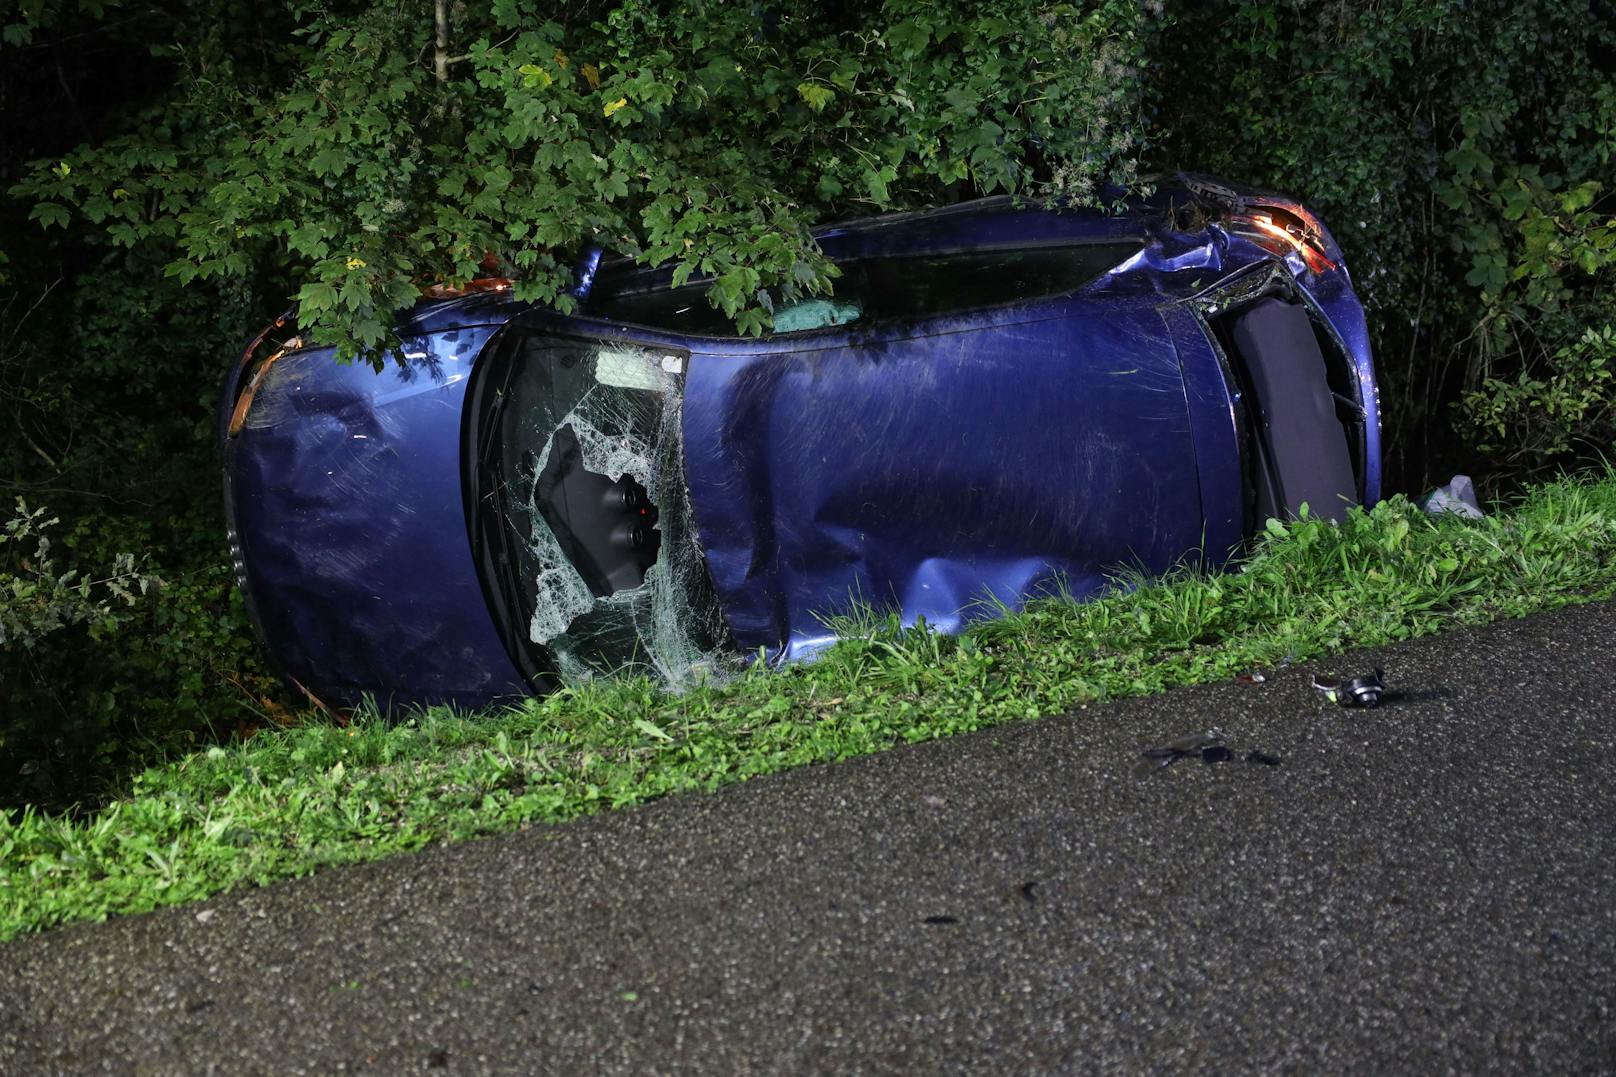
(710, 134)
(1464, 154)
(176, 170)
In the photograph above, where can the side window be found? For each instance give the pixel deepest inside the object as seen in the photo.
(877, 290)
(896, 289)
(582, 518)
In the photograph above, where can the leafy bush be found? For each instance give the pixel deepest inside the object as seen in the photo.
(109, 388)
(42, 600)
(38, 598)
(1539, 393)
(1541, 417)
(115, 684)
(713, 136)
(1454, 147)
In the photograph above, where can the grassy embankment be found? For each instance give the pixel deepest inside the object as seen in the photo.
(288, 802)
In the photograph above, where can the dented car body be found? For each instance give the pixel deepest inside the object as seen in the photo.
(996, 403)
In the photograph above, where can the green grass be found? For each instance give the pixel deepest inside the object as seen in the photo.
(288, 802)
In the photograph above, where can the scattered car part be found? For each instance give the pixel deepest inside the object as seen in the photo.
(1210, 748)
(1365, 691)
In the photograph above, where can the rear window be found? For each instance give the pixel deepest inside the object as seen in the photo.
(875, 290)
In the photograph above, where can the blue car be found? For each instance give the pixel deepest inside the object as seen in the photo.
(996, 402)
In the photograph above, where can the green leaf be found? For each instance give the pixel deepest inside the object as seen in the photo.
(645, 726)
(1580, 197)
(317, 297)
(328, 160)
(534, 76)
(875, 181)
(816, 95)
(49, 213)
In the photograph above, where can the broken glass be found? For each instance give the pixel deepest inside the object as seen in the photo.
(593, 500)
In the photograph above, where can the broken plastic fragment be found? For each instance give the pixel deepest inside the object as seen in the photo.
(1457, 498)
(1210, 747)
(1362, 691)
(1153, 763)
(1251, 678)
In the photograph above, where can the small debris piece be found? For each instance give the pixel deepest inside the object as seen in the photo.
(1210, 747)
(1250, 678)
(1457, 498)
(1026, 892)
(942, 920)
(205, 915)
(1362, 691)
(1205, 745)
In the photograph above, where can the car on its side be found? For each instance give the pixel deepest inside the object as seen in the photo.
(997, 401)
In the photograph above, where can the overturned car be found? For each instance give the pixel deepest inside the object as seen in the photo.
(996, 402)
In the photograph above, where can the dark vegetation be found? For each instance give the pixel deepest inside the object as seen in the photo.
(176, 170)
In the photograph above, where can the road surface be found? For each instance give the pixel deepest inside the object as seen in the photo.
(1430, 886)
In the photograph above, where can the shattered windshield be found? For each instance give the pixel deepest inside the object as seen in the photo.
(583, 512)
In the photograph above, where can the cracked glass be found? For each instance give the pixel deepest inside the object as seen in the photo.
(614, 408)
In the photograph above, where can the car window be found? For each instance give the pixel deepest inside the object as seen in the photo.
(875, 290)
(582, 519)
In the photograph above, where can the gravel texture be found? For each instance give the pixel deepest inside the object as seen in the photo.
(1426, 887)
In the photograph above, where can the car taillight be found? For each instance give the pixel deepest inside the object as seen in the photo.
(1281, 232)
(244, 402)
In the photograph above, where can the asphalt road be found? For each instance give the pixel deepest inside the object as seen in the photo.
(1426, 887)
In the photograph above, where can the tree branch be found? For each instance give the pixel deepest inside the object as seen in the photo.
(440, 59)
